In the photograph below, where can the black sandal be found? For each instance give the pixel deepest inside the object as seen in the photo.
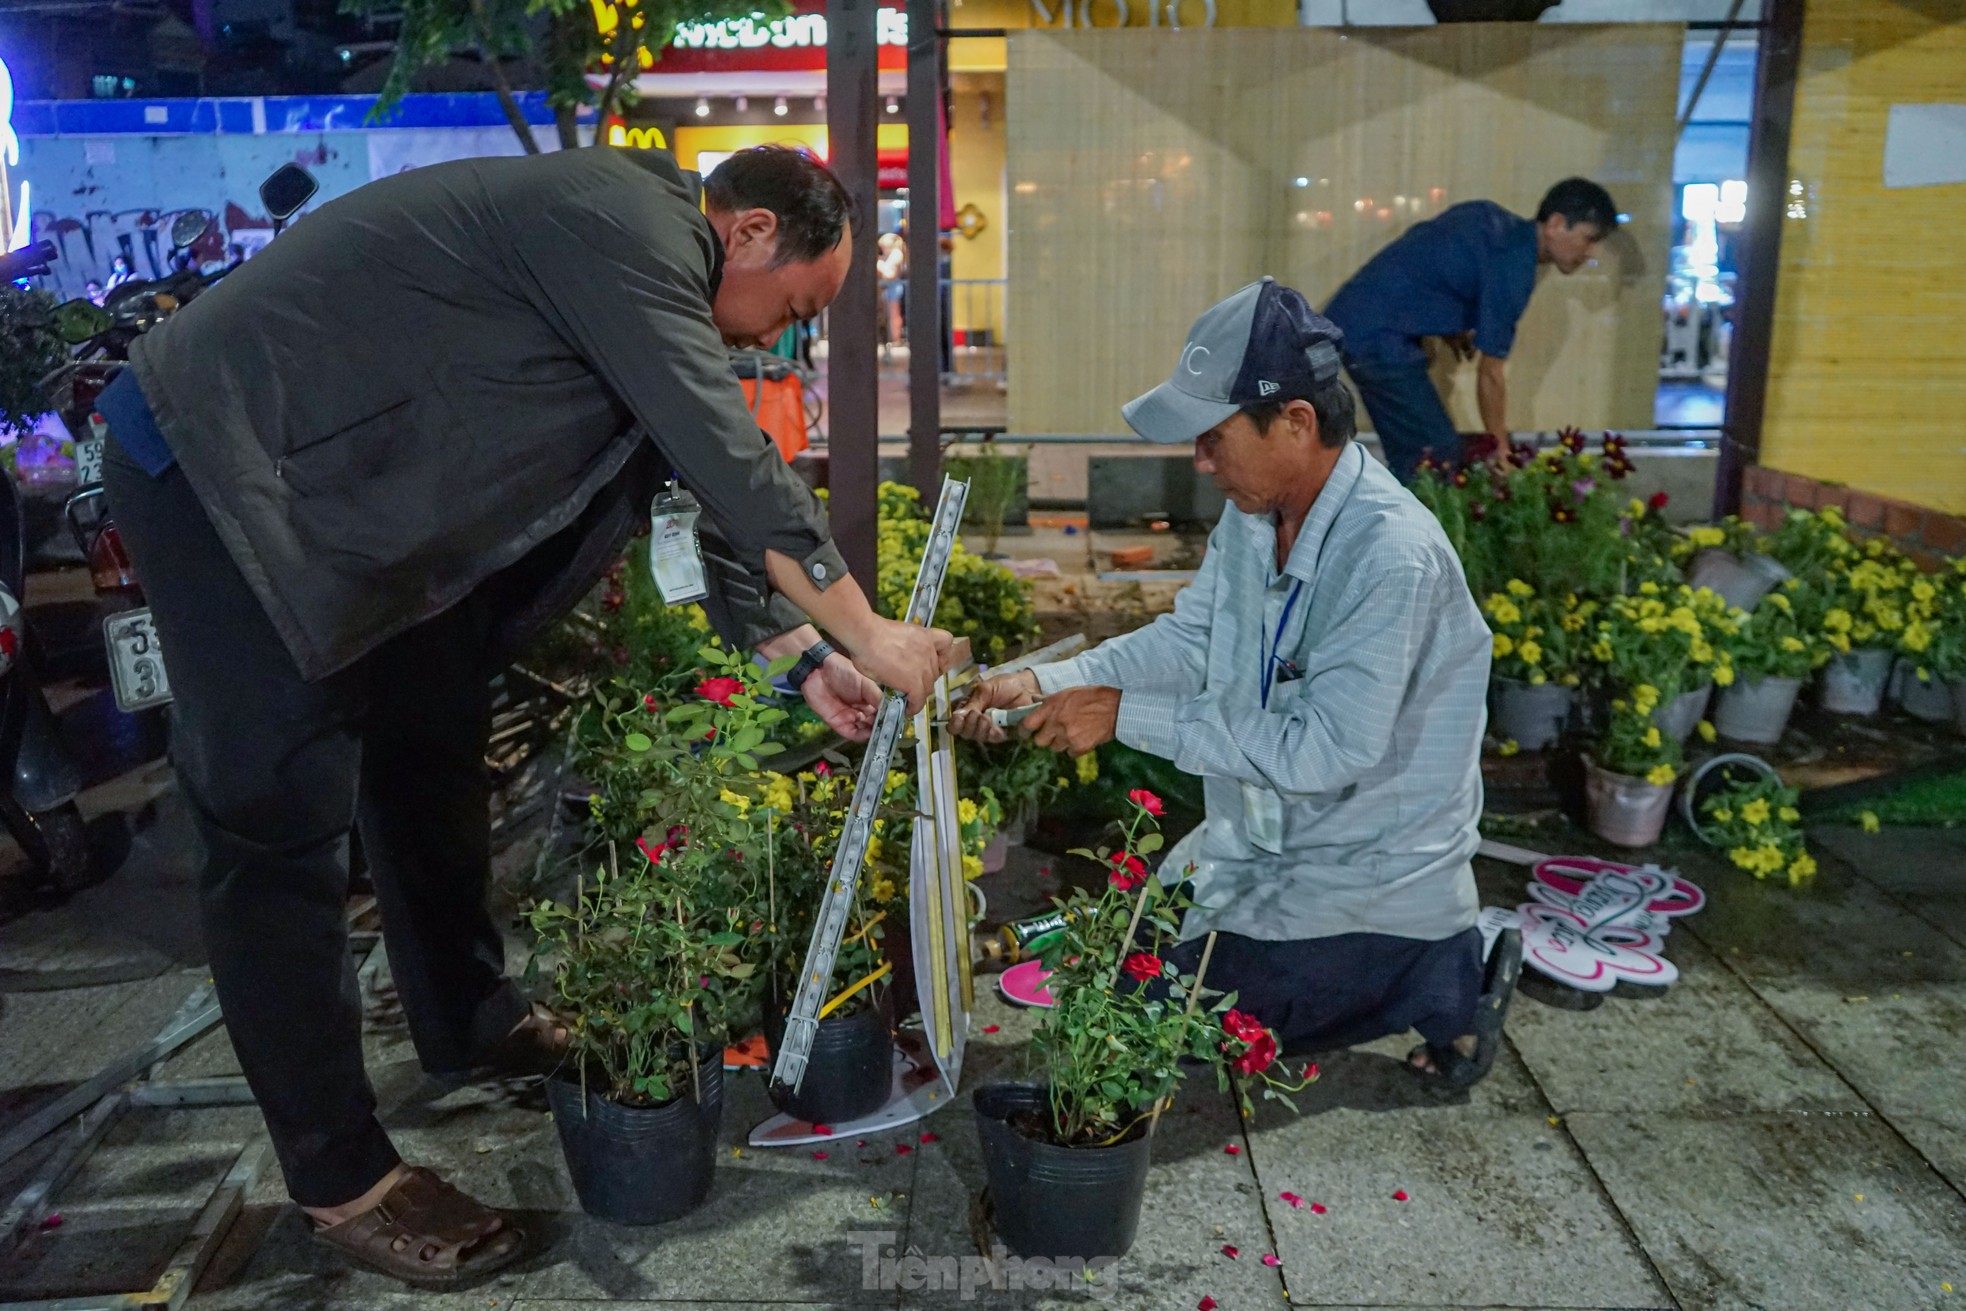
(1450, 1069)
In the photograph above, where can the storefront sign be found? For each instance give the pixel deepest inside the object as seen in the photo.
(797, 30)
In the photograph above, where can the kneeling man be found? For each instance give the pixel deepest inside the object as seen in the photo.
(1325, 674)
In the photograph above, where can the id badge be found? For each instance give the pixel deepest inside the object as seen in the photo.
(1262, 815)
(675, 559)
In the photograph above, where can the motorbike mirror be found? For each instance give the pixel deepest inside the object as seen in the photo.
(288, 188)
(76, 321)
(187, 227)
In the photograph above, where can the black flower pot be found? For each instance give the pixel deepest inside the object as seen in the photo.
(1062, 1203)
(851, 1067)
(639, 1165)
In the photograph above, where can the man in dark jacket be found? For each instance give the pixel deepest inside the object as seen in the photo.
(354, 475)
(1464, 275)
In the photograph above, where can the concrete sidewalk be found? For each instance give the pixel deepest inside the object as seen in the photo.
(1782, 1129)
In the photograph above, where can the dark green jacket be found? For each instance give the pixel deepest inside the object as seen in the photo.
(429, 378)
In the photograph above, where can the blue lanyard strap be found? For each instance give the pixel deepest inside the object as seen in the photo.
(1273, 657)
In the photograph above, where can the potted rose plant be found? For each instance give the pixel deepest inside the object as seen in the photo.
(851, 1066)
(1534, 674)
(1067, 1158)
(1773, 651)
(656, 957)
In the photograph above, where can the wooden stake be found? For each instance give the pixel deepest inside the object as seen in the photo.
(1139, 906)
(695, 1074)
(1194, 999)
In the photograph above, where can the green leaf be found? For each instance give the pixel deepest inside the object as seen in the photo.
(637, 742)
(747, 760)
(710, 655)
(1148, 844)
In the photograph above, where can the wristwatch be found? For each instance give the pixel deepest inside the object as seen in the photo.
(809, 661)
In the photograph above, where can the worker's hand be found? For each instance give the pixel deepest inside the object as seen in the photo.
(905, 657)
(1076, 720)
(844, 697)
(1462, 344)
(972, 717)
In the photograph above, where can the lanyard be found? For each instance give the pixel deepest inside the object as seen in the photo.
(1272, 658)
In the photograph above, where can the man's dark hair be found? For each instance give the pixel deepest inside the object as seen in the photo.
(1581, 200)
(811, 205)
(1337, 412)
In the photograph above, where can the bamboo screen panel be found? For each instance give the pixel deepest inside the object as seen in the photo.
(1154, 172)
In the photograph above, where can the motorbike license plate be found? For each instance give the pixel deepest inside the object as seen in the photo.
(88, 462)
(136, 661)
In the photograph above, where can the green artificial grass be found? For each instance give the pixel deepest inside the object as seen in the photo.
(1935, 802)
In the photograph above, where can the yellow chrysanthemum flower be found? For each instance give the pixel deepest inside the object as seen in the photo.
(1723, 814)
(1707, 733)
(1756, 812)
(1531, 652)
(1868, 820)
(1508, 748)
(1802, 866)
(1504, 644)
(1088, 767)
(972, 866)
(1519, 588)
(1661, 775)
(736, 800)
(1652, 738)
(1723, 674)
(967, 810)
(1788, 814)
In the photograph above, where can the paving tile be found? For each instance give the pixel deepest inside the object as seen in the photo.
(778, 1226)
(1785, 1211)
(1706, 1044)
(1918, 866)
(1900, 1049)
(1198, 1199)
(1501, 1210)
(538, 1304)
(64, 1037)
(1837, 929)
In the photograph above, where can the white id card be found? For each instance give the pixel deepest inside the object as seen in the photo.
(674, 557)
(1262, 817)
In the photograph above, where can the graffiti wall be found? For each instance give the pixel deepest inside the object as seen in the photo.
(99, 198)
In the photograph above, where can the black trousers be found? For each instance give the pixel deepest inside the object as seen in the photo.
(1324, 994)
(278, 770)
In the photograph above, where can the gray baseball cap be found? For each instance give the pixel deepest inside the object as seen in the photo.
(1263, 341)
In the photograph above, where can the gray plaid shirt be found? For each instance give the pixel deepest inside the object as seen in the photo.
(1371, 735)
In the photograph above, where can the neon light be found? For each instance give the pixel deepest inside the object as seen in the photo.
(10, 158)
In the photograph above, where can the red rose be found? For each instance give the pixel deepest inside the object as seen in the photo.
(1129, 872)
(1147, 801)
(822, 769)
(677, 837)
(1242, 1027)
(648, 702)
(720, 690)
(1658, 501)
(1260, 1055)
(654, 853)
(1142, 967)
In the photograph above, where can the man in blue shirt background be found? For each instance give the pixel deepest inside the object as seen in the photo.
(1465, 275)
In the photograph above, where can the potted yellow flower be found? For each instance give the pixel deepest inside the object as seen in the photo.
(1870, 593)
(1664, 638)
(1534, 675)
(1773, 651)
(1726, 559)
(1755, 821)
(1914, 688)
(1628, 780)
(1944, 660)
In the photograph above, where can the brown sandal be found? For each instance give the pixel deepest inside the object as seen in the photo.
(427, 1234)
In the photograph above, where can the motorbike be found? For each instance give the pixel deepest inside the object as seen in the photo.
(138, 675)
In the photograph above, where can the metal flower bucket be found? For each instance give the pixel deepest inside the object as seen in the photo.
(1718, 772)
(1533, 715)
(1756, 710)
(1740, 580)
(1854, 684)
(1624, 810)
(1928, 699)
(1681, 715)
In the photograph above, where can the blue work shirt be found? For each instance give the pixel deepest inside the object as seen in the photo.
(133, 426)
(1470, 268)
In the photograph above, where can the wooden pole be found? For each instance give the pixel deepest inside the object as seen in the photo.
(1194, 999)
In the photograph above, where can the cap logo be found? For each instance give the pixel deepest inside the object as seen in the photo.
(1192, 358)
(1264, 387)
